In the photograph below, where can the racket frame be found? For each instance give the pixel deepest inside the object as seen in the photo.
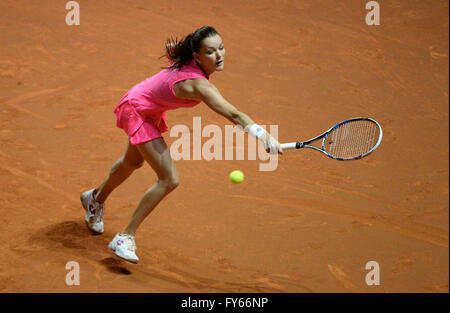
(306, 144)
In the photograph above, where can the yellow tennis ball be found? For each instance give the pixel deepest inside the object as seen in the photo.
(237, 177)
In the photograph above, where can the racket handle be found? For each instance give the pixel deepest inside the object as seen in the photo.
(291, 145)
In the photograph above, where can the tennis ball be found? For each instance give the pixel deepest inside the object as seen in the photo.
(237, 177)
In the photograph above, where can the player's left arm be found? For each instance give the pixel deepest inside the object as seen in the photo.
(212, 97)
(209, 94)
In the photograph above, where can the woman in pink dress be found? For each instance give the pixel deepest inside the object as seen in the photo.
(141, 113)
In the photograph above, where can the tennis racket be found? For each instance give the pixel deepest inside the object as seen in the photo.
(349, 140)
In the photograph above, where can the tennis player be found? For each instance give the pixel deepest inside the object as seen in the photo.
(141, 113)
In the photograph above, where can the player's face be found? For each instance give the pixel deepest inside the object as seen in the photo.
(211, 55)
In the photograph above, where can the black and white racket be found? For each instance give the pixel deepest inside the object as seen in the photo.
(349, 140)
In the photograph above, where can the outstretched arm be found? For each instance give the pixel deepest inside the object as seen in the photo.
(209, 94)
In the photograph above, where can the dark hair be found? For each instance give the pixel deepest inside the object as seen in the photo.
(181, 51)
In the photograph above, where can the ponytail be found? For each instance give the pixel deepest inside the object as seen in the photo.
(179, 52)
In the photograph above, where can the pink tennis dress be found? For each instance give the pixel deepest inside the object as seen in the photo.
(141, 113)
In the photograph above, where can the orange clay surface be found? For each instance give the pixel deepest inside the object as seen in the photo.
(309, 226)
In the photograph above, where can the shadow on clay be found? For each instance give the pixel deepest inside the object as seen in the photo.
(73, 237)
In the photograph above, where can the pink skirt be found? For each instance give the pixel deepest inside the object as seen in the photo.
(138, 128)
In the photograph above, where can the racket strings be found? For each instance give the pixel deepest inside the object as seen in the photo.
(352, 139)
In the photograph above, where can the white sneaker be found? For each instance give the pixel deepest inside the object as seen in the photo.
(94, 211)
(124, 246)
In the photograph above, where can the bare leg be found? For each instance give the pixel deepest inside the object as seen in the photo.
(120, 171)
(157, 155)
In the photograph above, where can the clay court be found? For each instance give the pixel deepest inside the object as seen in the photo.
(309, 226)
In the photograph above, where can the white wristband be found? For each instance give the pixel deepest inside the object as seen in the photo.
(256, 130)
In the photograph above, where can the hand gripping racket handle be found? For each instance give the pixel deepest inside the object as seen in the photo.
(292, 145)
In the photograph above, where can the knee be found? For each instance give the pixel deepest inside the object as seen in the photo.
(170, 184)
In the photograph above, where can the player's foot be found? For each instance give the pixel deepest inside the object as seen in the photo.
(124, 246)
(94, 211)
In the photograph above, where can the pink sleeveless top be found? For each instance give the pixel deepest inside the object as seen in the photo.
(148, 101)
